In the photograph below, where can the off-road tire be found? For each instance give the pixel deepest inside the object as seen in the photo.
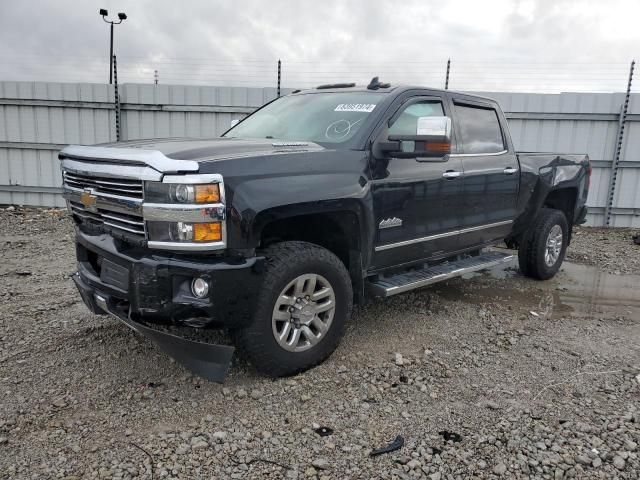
(531, 253)
(284, 262)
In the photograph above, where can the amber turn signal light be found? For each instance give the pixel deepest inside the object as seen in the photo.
(207, 193)
(207, 232)
(437, 147)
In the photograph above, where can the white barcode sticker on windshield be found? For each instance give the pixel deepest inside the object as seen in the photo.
(355, 107)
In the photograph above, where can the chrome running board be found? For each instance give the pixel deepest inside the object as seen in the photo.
(403, 282)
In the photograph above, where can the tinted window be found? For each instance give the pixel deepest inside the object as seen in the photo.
(407, 122)
(479, 129)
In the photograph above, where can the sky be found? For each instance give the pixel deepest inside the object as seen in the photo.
(517, 45)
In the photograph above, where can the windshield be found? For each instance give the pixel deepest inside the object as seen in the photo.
(319, 117)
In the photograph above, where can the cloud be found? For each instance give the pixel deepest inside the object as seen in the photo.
(493, 44)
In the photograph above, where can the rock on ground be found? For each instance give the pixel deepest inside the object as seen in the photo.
(483, 388)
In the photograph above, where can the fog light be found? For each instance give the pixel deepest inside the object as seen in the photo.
(199, 287)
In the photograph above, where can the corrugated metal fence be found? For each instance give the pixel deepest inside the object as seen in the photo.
(38, 119)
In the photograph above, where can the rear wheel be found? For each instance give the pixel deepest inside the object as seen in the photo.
(301, 310)
(544, 245)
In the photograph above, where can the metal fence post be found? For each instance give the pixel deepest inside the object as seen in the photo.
(279, 76)
(116, 98)
(618, 150)
(446, 80)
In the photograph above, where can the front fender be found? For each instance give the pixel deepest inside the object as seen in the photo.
(259, 191)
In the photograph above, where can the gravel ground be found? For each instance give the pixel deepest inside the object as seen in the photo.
(610, 249)
(493, 376)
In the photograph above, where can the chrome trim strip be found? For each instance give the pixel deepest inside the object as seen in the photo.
(192, 213)
(123, 220)
(493, 154)
(68, 185)
(79, 213)
(136, 172)
(116, 203)
(380, 248)
(185, 247)
(124, 156)
(137, 201)
(193, 179)
(126, 229)
(106, 219)
(78, 178)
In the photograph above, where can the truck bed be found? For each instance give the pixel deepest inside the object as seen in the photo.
(553, 158)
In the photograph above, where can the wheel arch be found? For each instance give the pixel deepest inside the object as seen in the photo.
(560, 197)
(339, 230)
(565, 200)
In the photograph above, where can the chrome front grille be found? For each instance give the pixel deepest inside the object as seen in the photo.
(108, 203)
(122, 187)
(130, 223)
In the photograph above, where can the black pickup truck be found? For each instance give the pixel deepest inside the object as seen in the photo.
(314, 202)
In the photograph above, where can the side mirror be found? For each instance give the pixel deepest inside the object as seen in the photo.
(432, 138)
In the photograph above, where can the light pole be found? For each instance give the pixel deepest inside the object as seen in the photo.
(121, 16)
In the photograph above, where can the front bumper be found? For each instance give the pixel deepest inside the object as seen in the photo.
(156, 285)
(204, 359)
(581, 216)
(136, 285)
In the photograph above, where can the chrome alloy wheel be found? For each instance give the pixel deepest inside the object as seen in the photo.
(303, 312)
(554, 246)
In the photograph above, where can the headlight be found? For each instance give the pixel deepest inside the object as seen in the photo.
(185, 232)
(183, 193)
(185, 212)
(156, 192)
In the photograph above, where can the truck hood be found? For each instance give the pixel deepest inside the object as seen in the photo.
(245, 164)
(211, 149)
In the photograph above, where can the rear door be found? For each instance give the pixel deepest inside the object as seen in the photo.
(491, 173)
(416, 200)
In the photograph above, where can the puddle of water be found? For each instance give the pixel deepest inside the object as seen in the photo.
(587, 289)
(576, 289)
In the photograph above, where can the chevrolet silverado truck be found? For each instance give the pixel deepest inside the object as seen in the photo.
(316, 201)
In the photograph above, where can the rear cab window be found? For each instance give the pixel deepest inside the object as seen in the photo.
(479, 127)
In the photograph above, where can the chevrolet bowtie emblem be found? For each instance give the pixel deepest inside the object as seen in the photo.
(89, 200)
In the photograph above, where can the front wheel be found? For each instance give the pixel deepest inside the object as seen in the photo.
(544, 245)
(301, 310)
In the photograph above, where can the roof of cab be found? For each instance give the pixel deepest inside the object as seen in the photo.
(396, 89)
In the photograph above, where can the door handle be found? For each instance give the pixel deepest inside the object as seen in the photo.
(451, 174)
(510, 170)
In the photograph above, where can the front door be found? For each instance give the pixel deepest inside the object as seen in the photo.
(416, 200)
(491, 174)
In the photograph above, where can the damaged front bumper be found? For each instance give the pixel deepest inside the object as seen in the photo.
(142, 288)
(204, 359)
